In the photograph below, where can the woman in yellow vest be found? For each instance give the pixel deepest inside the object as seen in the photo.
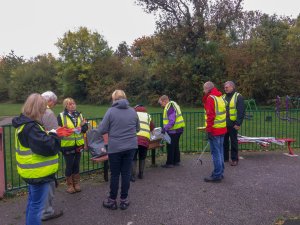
(174, 125)
(146, 125)
(36, 155)
(72, 145)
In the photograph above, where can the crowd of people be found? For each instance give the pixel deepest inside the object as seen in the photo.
(38, 143)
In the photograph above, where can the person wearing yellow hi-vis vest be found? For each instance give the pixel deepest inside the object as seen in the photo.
(235, 113)
(146, 126)
(36, 155)
(215, 123)
(72, 145)
(173, 124)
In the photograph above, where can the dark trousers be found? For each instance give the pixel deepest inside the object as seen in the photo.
(120, 163)
(142, 151)
(72, 163)
(232, 135)
(173, 152)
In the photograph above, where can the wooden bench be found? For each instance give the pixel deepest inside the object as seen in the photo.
(153, 145)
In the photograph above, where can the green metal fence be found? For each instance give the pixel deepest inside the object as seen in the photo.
(264, 123)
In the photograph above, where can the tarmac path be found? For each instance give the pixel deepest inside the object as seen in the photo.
(262, 188)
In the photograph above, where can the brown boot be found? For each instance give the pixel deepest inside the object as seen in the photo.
(76, 182)
(70, 189)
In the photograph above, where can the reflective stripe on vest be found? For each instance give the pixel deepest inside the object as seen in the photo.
(179, 121)
(74, 139)
(232, 106)
(31, 165)
(145, 119)
(220, 110)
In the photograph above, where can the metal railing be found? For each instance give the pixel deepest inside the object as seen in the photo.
(264, 123)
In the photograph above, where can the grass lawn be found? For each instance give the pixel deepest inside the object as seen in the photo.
(88, 111)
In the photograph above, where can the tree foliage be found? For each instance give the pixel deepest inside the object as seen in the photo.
(195, 41)
(78, 50)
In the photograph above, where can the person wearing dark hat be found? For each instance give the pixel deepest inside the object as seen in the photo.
(146, 125)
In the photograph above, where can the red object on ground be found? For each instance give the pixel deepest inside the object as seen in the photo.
(288, 141)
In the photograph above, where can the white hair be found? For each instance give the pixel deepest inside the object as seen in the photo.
(230, 83)
(49, 96)
(210, 85)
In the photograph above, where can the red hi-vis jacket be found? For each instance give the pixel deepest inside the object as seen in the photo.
(209, 106)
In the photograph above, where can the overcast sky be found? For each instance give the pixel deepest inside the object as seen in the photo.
(31, 27)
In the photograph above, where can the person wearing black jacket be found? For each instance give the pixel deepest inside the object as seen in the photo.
(235, 113)
(36, 155)
(72, 146)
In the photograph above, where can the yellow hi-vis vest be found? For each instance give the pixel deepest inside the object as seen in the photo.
(232, 106)
(179, 122)
(74, 139)
(31, 165)
(220, 110)
(145, 119)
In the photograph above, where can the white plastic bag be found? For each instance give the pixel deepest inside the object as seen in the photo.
(157, 135)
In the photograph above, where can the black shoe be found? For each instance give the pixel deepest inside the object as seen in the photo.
(213, 180)
(140, 176)
(132, 178)
(234, 163)
(167, 166)
(124, 204)
(110, 204)
(53, 216)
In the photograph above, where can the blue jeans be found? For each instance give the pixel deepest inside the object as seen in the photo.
(120, 163)
(37, 195)
(217, 152)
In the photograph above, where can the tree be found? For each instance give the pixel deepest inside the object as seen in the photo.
(8, 63)
(37, 75)
(122, 50)
(78, 50)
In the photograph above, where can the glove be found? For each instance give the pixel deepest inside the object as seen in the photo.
(64, 132)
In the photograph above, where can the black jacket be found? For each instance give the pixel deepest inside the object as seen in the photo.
(38, 141)
(240, 107)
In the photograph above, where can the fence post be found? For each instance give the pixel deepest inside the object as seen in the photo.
(2, 169)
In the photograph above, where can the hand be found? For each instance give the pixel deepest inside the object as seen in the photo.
(209, 135)
(236, 127)
(163, 130)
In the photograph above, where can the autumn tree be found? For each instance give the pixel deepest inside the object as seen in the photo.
(78, 50)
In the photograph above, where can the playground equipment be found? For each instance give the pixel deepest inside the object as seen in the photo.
(285, 114)
(249, 102)
(250, 106)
